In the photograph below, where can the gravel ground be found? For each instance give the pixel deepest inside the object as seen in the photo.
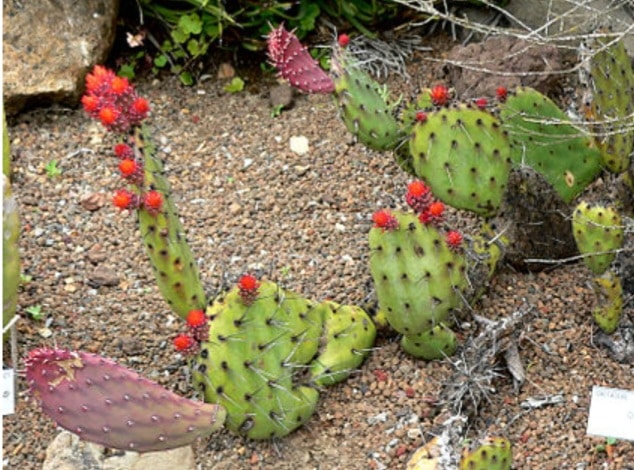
(250, 204)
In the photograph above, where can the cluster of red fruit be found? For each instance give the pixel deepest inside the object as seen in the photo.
(114, 102)
(430, 212)
(440, 96)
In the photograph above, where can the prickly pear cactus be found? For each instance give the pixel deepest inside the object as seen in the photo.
(464, 155)
(418, 279)
(612, 100)
(598, 231)
(543, 138)
(610, 296)
(364, 105)
(10, 235)
(106, 403)
(492, 454)
(268, 351)
(172, 261)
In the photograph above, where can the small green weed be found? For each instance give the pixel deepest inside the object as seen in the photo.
(52, 170)
(36, 312)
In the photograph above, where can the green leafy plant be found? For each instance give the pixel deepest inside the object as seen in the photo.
(52, 170)
(35, 311)
(236, 85)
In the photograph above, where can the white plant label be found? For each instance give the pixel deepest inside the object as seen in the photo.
(8, 393)
(611, 413)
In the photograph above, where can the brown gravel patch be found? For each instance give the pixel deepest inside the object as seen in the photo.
(250, 204)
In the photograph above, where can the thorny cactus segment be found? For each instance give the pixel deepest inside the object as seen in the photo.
(598, 231)
(463, 154)
(418, 278)
(264, 360)
(610, 296)
(348, 335)
(494, 453)
(364, 105)
(543, 138)
(438, 342)
(106, 403)
(612, 102)
(113, 101)
(164, 239)
(294, 63)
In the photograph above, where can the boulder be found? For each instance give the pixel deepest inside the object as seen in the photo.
(49, 47)
(68, 452)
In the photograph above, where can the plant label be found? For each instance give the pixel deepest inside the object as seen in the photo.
(8, 393)
(611, 413)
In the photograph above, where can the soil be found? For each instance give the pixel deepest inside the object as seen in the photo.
(250, 204)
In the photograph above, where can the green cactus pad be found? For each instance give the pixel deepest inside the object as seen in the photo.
(543, 138)
(610, 292)
(484, 254)
(349, 334)
(597, 229)
(464, 156)
(255, 358)
(436, 343)
(417, 278)
(164, 239)
(612, 103)
(492, 454)
(364, 106)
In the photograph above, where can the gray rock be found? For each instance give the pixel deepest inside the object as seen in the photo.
(68, 452)
(49, 46)
(502, 61)
(281, 96)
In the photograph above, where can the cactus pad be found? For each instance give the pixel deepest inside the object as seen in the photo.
(364, 106)
(610, 293)
(612, 103)
(436, 343)
(106, 403)
(598, 231)
(464, 156)
(164, 239)
(492, 454)
(543, 138)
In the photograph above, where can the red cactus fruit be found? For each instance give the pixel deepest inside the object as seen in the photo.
(90, 103)
(343, 40)
(128, 168)
(481, 103)
(108, 116)
(421, 116)
(119, 85)
(295, 64)
(501, 93)
(454, 240)
(186, 344)
(248, 286)
(124, 199)
(385, 220)
(433, 214)
(197, 322)
(152, 202)
(440, 95)
(123, 151)
(140, 108)
(418, 196)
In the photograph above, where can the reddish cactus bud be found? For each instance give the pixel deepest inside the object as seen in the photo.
(140, 107)
(433, 215)
(186, 344)
(421, 116)
(123, 151)
(418, 196)
(385, 220)
(481, 103)
(440, 95)
(343, 40)
(501, 93)
(454, 240)
(119, 85)
(99, 77)
(124, 199)
(108, 116)
(152, 201)
(197, 322)
(90, 103)
(248, 286)
(128, 168)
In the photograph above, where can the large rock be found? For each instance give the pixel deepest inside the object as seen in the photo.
(50, 45)
(68, 452)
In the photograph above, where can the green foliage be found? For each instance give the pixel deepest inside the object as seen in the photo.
(235, 86)
(36, 312)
